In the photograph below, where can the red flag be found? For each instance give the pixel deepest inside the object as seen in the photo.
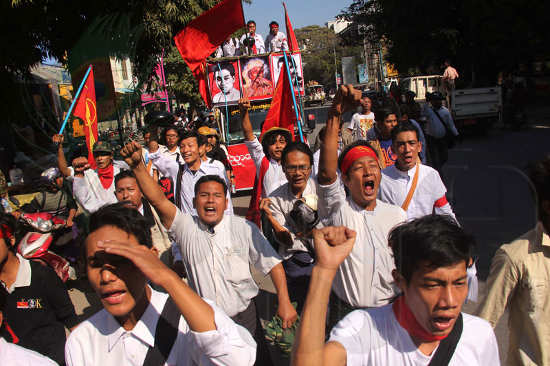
(205, 33)
(281, 113)
(290, 36)
(86, 110)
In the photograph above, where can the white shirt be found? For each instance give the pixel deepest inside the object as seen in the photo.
(232, 96)
(24, 274)
(218, 260)
(258, 41)
(282, 202)
(170, 168)
(395, 186)
(450, 73)
(316, 158)
(375, 337)
(276, 43)
(174, 154)
(100, 340)
(229, 48)
(274, 177)
(434, 126)
(364, 278)
(89, 192)
(360, 124)
(14, 355)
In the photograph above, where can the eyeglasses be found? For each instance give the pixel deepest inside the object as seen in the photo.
(295, 168)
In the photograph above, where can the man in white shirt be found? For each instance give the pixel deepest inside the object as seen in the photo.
(409, 176)
(252, 41)
(364, 279)
(138, 325)
(362, 122)
(229, 48)
(185, 174)
(291, 223)
(12, 354)
(439, 124)
(218, 249)
(275, 40)
(127, 190)
(449, 81)
(424, 326)
(224, 76)
(267, 158)
(96, 188)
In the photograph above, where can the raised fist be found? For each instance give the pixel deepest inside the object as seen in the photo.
(131, 153)
(244, 105)
(58, 139)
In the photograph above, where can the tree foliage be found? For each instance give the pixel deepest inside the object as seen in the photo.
(481, 37)
(322, 51)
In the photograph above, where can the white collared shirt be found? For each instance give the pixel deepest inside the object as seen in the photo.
(89, 191)
(100, 340)
(258, 42)
(24, 274)
(428, 196)
(14, 355)
(282, 202)
(274, 177)
(170, 168)
(276, 43)
(364, 278)
(218, 259)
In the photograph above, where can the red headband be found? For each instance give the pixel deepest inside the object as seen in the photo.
(5, 232)
(354, 154)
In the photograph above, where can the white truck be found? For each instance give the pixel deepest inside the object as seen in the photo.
(478, 107)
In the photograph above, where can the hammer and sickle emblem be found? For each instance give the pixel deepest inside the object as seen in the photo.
(91, 117)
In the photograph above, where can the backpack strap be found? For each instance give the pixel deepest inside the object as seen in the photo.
(177, 191)
(447, 346)
(165, 335)
(410, 194)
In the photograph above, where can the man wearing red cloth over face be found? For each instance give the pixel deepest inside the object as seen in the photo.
(364, 279)
(423, 326)
(96, 188)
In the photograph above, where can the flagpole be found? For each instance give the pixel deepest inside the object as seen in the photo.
(75, 99)
(298, 122)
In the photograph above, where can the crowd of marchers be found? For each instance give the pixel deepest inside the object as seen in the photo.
(359, 239)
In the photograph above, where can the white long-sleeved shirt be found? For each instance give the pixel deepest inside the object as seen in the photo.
(274, 177)
(434, 127)
(429, 195)
(100, 340)
(14, 355)
(169, 168)
(276, 43)
(218, 259)
(258, 42)
(364, 279)
(89, 191)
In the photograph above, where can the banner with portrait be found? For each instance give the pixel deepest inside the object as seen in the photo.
(224, 82)
(296, 71)
(256, 79)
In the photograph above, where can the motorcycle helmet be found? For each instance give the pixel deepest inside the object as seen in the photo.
(50, 175)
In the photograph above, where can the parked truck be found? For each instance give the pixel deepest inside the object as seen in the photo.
(477, 107)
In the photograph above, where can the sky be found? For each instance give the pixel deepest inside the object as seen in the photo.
(301, 12)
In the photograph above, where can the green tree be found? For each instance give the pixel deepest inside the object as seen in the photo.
(480, 37)
(322, 51)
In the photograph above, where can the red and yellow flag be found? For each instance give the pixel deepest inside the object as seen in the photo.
(86, 109)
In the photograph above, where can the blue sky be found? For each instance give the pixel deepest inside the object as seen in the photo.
(301, 12)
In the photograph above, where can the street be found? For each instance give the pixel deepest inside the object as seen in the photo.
(487, 188)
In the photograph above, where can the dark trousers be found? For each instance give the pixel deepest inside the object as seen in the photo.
(249, 319)
(298, 274)
(438, 152)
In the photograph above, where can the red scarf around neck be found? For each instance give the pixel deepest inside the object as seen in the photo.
(106, 175)
(406, 319)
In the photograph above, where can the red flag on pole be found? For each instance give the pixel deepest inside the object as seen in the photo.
(205, 33)
(290, 36)
(86, 110)
(281, 113)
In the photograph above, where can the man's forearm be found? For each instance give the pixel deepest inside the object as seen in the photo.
(279, 281)
(197, 313)
(247, 127)
(328, 158)
(310, 340)
(62, 162)
(281, 233)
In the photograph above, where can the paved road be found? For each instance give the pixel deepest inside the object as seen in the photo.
(488, 190)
